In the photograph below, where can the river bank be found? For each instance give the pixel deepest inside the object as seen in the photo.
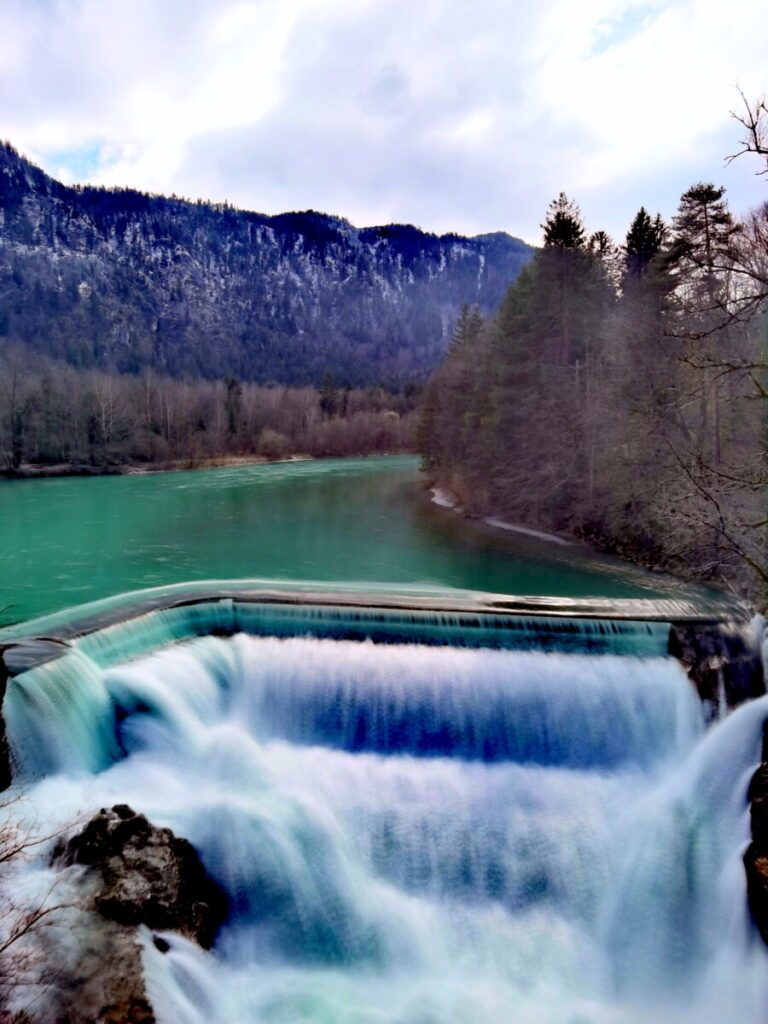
(444, 500)
(646, 556)
(30, 471)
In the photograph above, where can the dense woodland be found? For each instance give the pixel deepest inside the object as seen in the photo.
(620, 392)
(51, 413)
(118, 279)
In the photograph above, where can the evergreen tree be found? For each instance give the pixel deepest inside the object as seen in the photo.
(447, 428)
(563, 227)
(699, 261)
(604, 251)
(602, 245)
(468, 326)
(644, 240)
(702, 243)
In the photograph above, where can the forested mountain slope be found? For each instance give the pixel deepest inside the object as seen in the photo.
(122, 280)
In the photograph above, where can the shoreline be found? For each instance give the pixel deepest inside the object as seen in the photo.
(442, 499)
(29, 471)
(76, 469)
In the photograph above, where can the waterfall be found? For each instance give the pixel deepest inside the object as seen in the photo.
(418, 834)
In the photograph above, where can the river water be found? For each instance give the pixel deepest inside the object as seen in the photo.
(418, 835)
(407, 834)
(65, 542)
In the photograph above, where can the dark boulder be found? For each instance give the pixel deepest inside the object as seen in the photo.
(148, 875)
(721, 659)
(756, 856)
(136, 873)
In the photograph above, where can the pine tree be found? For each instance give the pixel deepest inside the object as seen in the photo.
(443, 432)
(702, 242)
(607, 255)
(601, 245)
(644, 240)
(563, 227)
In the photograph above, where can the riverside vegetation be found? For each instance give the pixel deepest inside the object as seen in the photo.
(619, 393)
(89, 420)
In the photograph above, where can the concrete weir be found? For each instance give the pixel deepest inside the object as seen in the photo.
(716, 645)
(713, 642)
(353, 766)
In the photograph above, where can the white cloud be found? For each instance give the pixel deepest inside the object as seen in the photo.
(451, 115)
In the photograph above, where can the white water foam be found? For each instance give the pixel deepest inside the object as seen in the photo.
(428, 836)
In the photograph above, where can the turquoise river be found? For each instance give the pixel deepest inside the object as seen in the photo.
(417, 816)
(68, 541)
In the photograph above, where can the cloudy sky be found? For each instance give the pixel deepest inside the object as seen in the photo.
(453, 115)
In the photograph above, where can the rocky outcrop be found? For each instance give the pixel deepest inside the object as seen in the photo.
(148, 875)
(105, 984)
(756, 856)
(138, 874)
(721, 659)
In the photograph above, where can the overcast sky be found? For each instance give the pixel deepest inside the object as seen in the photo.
(450, 114)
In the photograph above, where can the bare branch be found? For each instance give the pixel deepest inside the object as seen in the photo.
(754, 121)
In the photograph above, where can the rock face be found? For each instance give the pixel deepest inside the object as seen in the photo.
(721, 660)
(148, 875)
(119, 278)
(138, 874)
(756, 856)
(105, 985)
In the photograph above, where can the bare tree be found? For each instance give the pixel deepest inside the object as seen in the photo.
(24, 974)
(18, 401)
(754, 121)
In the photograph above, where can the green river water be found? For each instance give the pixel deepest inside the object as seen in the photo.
(67, 541)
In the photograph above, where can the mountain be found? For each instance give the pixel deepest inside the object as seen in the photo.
(121, 279)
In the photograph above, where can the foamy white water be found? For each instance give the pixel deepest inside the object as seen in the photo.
(414, 835)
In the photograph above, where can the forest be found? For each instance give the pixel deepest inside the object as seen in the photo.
(620, 394)
(122, 280)
(53, 415)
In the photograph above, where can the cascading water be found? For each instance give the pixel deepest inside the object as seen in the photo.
(422, 835)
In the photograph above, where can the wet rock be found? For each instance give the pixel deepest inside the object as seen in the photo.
(721, 660)
(756, 855)
(147, 875)
(135, 874)
(106, 984)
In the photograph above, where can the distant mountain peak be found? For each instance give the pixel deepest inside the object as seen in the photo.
(125, 279)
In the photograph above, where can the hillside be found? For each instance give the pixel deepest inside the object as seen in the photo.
(122, 280)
